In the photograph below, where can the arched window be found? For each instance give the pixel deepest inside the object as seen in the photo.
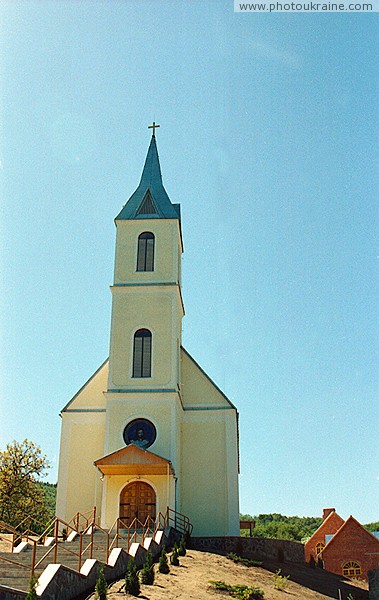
(145, 252)
(319, 547)
(351, 569)
(142, 353)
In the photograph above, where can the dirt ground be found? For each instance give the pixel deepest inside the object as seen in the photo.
(191, 580)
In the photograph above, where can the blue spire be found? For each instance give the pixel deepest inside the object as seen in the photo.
(150, 200)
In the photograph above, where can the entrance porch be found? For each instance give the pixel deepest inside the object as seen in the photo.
(136, 484)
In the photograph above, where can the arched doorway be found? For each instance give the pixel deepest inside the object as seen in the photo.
(137, 501)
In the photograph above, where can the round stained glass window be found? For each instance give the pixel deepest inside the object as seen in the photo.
(140, 432)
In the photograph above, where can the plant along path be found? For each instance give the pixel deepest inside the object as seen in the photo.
(191, 581)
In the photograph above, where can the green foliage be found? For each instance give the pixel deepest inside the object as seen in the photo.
(101, 585)
(163, 566)
(243, 561)
(241, 592)
(21, 495)
(281, 527)
(174, 558)
(32, 594)
(131, 579)
(350, 596)
(372, 526)
(147, 573)
(182, 547)
(280, 581)
(50, 492)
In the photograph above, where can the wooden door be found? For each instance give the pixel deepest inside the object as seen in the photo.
(137, 501)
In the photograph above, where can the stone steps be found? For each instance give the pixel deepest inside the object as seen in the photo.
(15, 576)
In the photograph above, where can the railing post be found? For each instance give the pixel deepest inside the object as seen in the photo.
(80, 551)
(107, 547)
(56, 528)
(34, 557)
(91, 547)
(77, 522)
(94, 515)
(117, 529)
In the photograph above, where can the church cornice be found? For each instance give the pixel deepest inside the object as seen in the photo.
(142, 391)
(144, 284)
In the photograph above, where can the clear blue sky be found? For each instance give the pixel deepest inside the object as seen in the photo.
(268, 141)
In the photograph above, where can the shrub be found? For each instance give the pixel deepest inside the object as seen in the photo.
(163, 566)
(32, 594)
(243, 561)
(182, 547)
(131, 579)
(101, 585)
(240, 592)
(147, 573)
(280, 581)
(174, 559)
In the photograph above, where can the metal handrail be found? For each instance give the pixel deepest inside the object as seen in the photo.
(86, 525)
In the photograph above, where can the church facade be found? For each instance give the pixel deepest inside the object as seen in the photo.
(150, 429)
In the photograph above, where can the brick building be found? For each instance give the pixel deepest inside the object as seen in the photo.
(343, 547)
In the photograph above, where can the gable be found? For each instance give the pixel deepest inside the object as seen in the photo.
(352, 534)
(197, 388)
(133, 460)
(147, 205)
(91, 396)
(330, 526)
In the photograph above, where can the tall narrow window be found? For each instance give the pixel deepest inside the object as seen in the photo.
(145, 253)
(142, 353)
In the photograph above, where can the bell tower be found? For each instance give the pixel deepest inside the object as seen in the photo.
(147, 307)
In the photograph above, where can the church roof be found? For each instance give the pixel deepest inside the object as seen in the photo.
(150, 200)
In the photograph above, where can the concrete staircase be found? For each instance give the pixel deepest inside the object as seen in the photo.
(63, 576)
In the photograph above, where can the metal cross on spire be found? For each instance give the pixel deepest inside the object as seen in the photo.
(153, 127)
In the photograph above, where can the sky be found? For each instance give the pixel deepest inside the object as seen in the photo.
(268, 139)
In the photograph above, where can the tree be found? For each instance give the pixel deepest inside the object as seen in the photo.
(147, 573)
(163, 566)
(174, 558)
(131, 579)
(32, 594)
(182, 547)
(21, 495)
(101, 585)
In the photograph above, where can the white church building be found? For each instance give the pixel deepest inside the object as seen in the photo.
(149, 429)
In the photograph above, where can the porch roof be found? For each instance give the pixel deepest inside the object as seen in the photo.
(132, 460)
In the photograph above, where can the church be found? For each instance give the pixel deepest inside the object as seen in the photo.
(149, 429)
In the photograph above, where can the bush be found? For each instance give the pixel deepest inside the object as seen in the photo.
(182, 547)
(163, 566)
(147, 573)
(240, 592)
(101, 585)
(32, 594)
(280, 581)
(243, 561)
(131, 579)
(174, 559)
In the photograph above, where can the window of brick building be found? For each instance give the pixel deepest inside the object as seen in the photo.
(351, 569)
(319, 547)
